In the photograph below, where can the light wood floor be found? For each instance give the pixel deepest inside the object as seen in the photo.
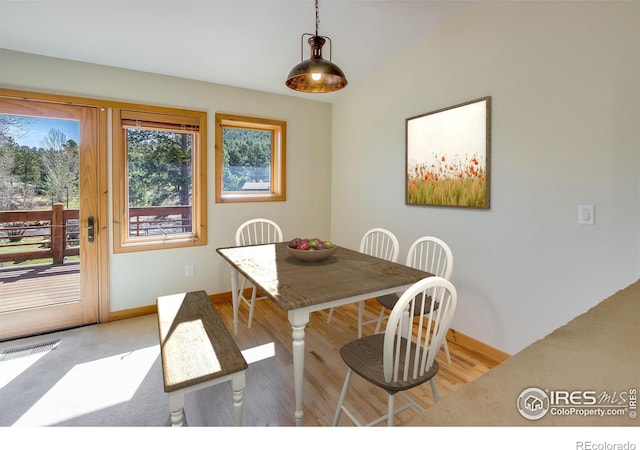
(270, 396)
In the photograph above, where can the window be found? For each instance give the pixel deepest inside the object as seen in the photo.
(159, 179)
(250, 159)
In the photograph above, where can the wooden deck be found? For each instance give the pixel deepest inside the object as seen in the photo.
(26, 287)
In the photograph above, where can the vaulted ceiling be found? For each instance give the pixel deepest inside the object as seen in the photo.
(244, 43)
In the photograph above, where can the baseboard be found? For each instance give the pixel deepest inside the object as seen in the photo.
(133, 312)
(226, 296)
(480, 347)
(152, 309)
(452, 335)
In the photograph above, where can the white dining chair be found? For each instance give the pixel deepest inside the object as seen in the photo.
(253, 232)
(430, 254)
(404, 356)
(381, 243)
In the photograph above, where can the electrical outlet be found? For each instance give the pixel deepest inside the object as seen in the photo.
(189, 270)
(586, 214)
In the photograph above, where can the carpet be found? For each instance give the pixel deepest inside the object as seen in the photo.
(585, 373)
(98, 375)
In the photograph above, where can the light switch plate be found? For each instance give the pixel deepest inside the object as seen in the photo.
(586, 213)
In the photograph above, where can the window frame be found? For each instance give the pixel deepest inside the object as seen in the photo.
(277, 191)
(148, 116)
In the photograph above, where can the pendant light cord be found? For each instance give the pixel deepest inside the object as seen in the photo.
(317, 17)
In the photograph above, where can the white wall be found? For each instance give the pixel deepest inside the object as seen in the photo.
(136, 279)
(563, 78)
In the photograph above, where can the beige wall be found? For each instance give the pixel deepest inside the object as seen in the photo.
(563, 78)
(138, 278)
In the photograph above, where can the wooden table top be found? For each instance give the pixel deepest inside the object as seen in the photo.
(293, 284)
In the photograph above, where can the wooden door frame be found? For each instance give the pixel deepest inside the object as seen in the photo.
(100, 136)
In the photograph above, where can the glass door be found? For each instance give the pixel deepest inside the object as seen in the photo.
(50, 269)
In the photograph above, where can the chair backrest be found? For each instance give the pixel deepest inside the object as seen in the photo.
(258, 231)
(432, 255)
(381, 243)
(412, 342)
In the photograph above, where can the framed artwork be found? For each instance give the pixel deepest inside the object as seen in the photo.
(447, 156)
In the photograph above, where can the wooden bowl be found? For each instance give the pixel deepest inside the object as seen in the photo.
(311, 255)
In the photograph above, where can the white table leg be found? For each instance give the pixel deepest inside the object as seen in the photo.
(298, 320)
(238, 383)
(235, 299)
(176, 408)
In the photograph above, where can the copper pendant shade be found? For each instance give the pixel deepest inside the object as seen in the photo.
(316, 74)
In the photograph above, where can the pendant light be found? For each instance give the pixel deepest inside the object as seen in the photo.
(316, 75)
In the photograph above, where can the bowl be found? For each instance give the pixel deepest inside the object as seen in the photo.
(311, 255)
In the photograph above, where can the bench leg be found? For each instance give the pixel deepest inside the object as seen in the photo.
(238, 383)
(176, 408)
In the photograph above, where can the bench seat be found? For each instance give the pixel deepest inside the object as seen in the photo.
(197, 351)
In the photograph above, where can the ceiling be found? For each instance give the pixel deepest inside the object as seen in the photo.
(244, 43)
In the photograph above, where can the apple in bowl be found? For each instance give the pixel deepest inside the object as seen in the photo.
(310, 249)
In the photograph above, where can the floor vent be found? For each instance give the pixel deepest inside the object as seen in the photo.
(29, 350)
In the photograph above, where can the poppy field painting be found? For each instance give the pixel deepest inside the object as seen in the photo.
(447, 158)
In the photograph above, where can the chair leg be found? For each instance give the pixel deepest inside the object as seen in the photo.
(252, 305)
(330, 315)
(343, 395)
(446, 350)
(241, 288)
(380, 317)
(360, 314)
(434, 390)
(390, 412)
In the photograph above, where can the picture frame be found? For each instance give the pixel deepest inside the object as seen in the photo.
(447, 161)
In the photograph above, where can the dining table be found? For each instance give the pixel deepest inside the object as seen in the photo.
(302, 287)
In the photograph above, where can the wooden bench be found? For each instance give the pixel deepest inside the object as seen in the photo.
(197, 351)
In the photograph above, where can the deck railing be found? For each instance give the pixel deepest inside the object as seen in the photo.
(55, 233)
(39, 234)
(155, 220)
